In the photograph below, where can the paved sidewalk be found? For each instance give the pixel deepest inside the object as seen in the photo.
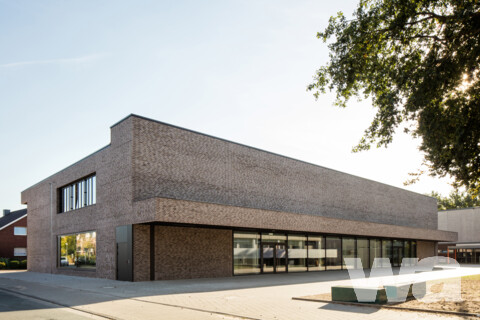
(254, 297)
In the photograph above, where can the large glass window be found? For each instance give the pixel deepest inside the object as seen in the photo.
(397, 253)
(348, 250)
(297, 253)
(78, 250)
(362, 252)
(375, 250)
(408, 249)
(246, 253)
(20, 231)
(413, 253)
(79, 194)
(274, 237)
(387, 250)
(316, 253)
(334, 253)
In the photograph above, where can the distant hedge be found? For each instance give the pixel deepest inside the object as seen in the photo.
(6, 263)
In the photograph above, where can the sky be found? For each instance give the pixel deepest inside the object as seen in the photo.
(232, 69)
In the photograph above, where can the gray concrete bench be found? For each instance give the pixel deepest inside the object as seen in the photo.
(347, 294)
(389, 293)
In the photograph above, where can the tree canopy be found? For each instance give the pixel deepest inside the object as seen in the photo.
(456, 200)
(419, 62)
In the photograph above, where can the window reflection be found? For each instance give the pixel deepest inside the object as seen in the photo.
(362, 252)
(297, 253)
(316, 253)
(78, 250)
(348, 250)
(387, 251)
(246, 253)
(79, 194)
(375, 250)
(334, 253)
(86, 253)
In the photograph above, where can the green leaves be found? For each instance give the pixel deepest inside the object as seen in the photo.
(411, 58)
(456, 200)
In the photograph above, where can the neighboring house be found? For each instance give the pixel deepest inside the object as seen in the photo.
(13, 234)
(466, 222)
(163, 202)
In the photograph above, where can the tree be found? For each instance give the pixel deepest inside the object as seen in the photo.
(456, 200)
(419, 62)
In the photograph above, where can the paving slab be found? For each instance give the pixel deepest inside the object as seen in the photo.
(249, 297)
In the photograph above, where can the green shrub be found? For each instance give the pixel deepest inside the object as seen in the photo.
(23, 264)
(5, 260)
(3, 265)
(14, 264)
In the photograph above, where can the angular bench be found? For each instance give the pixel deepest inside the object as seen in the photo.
(347, 294)
(387, 293)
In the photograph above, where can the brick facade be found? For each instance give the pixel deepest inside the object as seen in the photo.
(157, 173)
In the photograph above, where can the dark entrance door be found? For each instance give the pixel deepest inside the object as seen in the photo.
(124, 253)
(274, 257)
(397, 256)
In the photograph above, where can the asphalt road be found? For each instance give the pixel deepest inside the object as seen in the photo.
(14, 306)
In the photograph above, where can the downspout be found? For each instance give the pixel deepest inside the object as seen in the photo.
(51, 227)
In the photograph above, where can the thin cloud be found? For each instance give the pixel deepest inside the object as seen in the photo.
(78, 60)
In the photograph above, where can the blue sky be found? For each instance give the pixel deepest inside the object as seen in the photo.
(233, 69)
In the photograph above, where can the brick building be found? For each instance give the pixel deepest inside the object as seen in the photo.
(163, 202)
(13, 234)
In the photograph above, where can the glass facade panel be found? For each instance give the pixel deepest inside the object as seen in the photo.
(334, 253)
(408, 249)
(78, 250)
(465, 255)
(387, 250)
(316, 253)
(86, 252)
(477, 256)
(348, 250)
(246, 253)
(280, 258)
(67, 251)
(413, 252)
(375, 250)
(397, 253)
(279, 252)
(363, 252)
(297, 253)
(274, 237)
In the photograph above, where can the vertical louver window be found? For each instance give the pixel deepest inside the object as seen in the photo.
(79, 194)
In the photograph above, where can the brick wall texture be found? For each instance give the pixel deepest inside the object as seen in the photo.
(184, 253)
(426, 249)
(153, 172)
(9, 241)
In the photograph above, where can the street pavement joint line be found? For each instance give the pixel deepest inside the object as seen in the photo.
(59, 304)
(127, 298)
(195, 309)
